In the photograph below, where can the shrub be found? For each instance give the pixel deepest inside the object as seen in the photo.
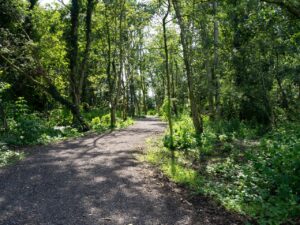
(8, 156)
(96, 123)
(60, 117)
(124, 123)
(259, 174)
(184, 134)
(152, 112)
(105, 120)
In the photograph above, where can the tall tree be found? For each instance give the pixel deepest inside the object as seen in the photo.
(197, 121)
(167, 68)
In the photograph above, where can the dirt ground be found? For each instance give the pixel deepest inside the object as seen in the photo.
(97, 180)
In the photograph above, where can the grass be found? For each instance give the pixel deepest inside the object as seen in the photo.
(254, 175)
(8, 157)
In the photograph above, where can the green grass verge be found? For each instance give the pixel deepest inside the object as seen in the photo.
(242, 188)
(8, 157)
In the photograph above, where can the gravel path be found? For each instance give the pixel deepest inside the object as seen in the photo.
(94, 180)
(90, 180)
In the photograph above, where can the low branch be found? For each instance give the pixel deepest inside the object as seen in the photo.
(50, 88)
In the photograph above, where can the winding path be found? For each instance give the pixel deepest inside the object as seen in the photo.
(96, 180)
(90, 180)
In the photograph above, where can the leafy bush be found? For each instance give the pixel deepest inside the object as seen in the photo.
(105, 120)
(163, 111)
(27, 128)
(60, 117)
(253, 174)
(96, 123)
(8, 156)
(184, 134)
(152, 112)
(267, 185)
(92, 113)
(103, 123)
(124, 123)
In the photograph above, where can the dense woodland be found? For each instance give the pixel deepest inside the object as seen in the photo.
(225, 75)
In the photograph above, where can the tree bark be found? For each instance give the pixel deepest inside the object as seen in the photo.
(183, 37)
(86, 54)
(168, 75)
(3, 118)
(215, 76)
(73, 53)
(52, 90)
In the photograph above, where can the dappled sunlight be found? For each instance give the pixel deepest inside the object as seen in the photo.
(97, 180)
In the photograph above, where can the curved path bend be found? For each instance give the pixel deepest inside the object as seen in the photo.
(91, 180)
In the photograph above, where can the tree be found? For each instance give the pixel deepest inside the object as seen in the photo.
(187, 61)
(167, 67)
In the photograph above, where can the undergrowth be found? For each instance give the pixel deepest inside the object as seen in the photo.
(31, 128)
(246, 169)
(8, 157)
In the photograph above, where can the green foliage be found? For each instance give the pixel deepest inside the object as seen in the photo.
(103, 123)
(27, 128)
(184, 134)
(59, 117)
(152, 112)
(163, 112)
(124, 123)
(266, 183)
(8, 157)
(96, 123)
(246, 172)
(105, 120)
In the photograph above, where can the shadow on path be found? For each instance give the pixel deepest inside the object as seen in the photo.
(91, 180)
(96, 180)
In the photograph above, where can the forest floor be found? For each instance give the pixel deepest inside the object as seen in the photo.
(97, 180)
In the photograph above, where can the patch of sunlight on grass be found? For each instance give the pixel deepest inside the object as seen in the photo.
(181, 175)
(8, 157)
(162, 157)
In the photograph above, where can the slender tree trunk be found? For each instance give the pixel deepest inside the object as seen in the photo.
(284, 101)
(173, 87)
(168, 76)
(183, 37)
(3, 118)
(73, 52)
(88, 31)
(215, 76)
(110, 77)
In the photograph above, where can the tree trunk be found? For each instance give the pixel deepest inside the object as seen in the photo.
(173, 87)
(183, 37)
(3, 118)
(52, 90)
(284, 101)
(168, 76)
(88, 30)
(215, 77)
(73, 53)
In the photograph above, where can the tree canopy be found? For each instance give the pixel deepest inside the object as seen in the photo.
(90, 64)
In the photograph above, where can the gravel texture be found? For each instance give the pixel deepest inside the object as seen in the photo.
(95, 180)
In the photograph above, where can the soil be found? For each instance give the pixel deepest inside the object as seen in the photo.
(97, 180)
